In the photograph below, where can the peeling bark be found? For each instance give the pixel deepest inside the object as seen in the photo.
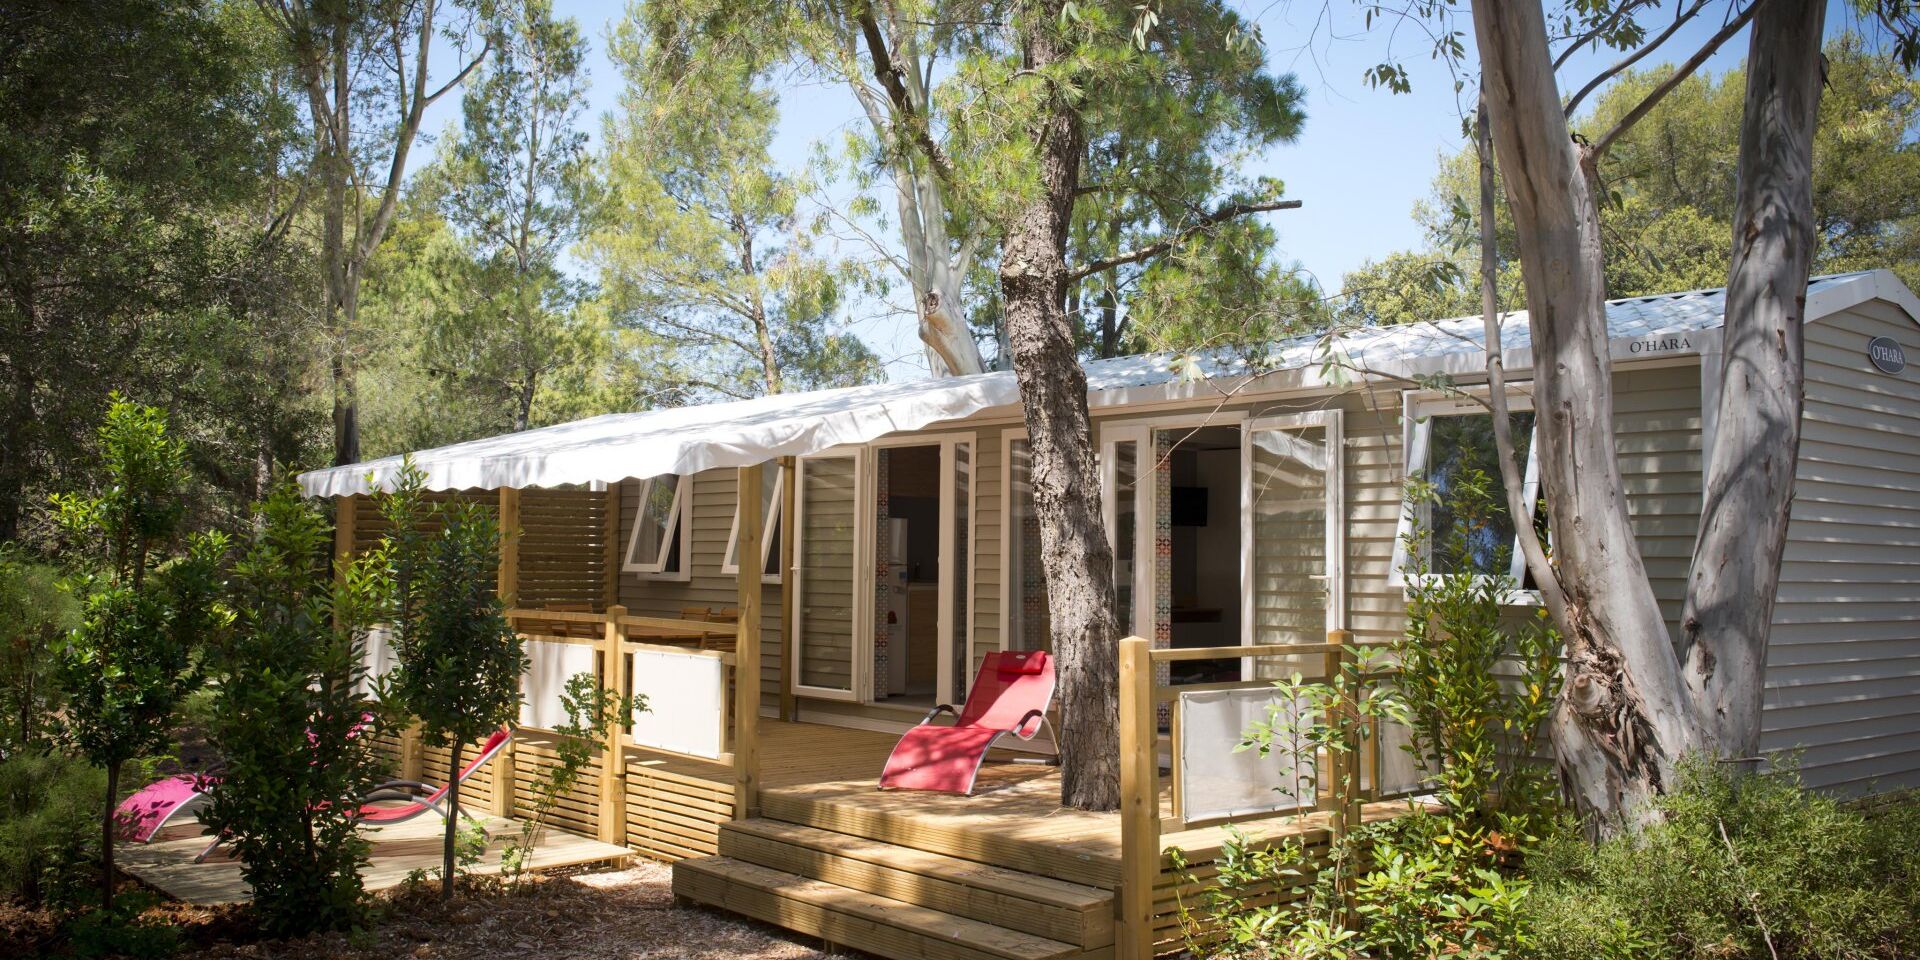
(1749, 486)
(1625, 720)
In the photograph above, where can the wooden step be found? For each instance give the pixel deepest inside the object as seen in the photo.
(982, 838)
(1054, 909)
(855, 918)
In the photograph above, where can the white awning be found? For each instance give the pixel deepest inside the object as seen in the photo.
(680, 440)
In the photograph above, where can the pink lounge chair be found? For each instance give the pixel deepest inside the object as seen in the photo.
(1009, 696)
(141, 815)
(419, 797)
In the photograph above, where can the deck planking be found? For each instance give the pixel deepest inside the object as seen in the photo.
(167, 864)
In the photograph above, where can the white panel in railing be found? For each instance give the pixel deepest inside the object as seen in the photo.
(549, 666)
(379, 657)
(1217, 781)
(686, 702)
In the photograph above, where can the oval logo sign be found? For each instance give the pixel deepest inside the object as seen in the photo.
(1887, 354)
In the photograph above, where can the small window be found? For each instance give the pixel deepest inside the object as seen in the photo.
(1450, 442)
(659, 529)
(772, 482)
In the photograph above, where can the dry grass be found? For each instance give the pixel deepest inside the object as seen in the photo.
(610, 915)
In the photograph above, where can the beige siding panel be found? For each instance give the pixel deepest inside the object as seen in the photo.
(706, 586)
(1843, 672)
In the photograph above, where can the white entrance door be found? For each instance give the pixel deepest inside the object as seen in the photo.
(1126, 494)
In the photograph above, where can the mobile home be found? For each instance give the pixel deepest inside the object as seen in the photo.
(1258, 522)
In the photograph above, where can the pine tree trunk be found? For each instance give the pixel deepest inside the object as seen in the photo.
(1750, 470)
(453, 822)
(1066, 488)
(1625, 719)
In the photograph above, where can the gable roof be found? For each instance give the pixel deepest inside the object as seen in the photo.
(689, 439)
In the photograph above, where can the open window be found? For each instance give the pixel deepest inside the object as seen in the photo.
(772, 479)
(1446, 440)
(657, 546)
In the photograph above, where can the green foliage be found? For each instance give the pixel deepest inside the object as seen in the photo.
(139, 146)
(125, 930)
(705, 247)
(36, 611)
(49, 835)
(591, 711)
(289, 720)
(1400, 889)
(1667, 210)
(459, 660)
(1729, 864)
(145, 614)
(1477, 677)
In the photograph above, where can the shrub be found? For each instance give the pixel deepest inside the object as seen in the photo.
(35, 611)
(49, 835)
(1478, 680)
(1730, 864)
(145, 612)
(289, 721)
(460, 660)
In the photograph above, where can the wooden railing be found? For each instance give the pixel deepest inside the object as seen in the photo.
(1340, 788)
(615, 636)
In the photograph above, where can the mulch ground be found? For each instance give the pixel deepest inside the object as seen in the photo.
(609, 915)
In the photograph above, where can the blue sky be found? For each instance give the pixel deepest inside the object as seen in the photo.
(1364, 159)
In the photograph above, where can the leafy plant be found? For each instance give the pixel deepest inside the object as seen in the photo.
(288, 717)
(144, 611)
(459, 659)
(1753, 866)
(591, 710)
(48, 835)
(35, 612)
(1477, 680)
(124, 930)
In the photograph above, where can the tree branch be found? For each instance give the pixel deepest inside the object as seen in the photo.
(891, 80)
(1162, 245)
(1603, 26)
(1573, 103)
(1679, 74)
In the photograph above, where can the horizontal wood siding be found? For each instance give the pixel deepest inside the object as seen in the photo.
(706, 586)
(1843, 670)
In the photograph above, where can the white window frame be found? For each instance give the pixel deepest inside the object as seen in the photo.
(1418, 410)
(679, 520)
(1009, 599)
(769, 531)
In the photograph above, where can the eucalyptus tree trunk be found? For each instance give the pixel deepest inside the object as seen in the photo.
(1625, 719)
(1053, 393)
(1749, 486)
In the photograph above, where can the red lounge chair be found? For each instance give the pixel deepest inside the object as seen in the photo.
(419, 797)
(1009, 696)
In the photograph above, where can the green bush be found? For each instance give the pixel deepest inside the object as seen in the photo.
(50, 833)
(1729, 865)
(290, 724)
(36, 611)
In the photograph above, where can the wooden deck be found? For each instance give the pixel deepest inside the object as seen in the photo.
(167, 863)
(834, 856)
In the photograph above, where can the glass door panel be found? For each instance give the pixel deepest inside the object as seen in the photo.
(827, 565)
(1295, 516)
(1124, 497)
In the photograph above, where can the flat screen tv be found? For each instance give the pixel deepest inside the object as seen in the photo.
(1189, 507)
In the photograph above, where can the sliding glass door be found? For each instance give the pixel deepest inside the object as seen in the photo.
(830, 609)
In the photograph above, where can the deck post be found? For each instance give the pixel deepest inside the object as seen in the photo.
(746, 649)
(613, 765)
(507, 586)
(789, 704)
(1139, 801)
(610, 544)
(344, 510)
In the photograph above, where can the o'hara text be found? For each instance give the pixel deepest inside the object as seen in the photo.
(1660, 345)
